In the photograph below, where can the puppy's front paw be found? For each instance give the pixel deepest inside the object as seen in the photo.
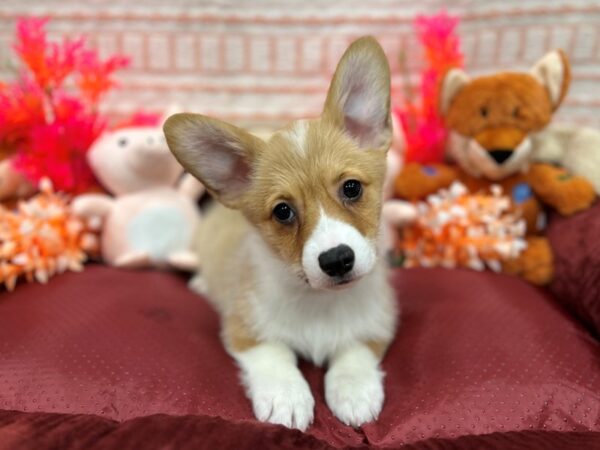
(355, 397)
(287, 402)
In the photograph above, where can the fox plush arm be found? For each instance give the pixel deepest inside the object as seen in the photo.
(559, 189)
(417, 181)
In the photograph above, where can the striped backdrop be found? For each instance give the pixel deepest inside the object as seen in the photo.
(267, 61)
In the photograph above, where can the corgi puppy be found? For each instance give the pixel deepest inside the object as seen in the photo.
(290, 255)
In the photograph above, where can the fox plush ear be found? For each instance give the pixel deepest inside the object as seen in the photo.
(358, 101)
(453, 82)
(554, 72)
(220, 155)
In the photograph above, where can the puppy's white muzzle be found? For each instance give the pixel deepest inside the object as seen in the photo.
(336, 254)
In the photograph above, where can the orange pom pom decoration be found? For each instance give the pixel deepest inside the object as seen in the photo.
(457, 229)
(42, 238)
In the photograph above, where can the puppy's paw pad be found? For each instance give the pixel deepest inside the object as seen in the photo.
(355, 399)
(284, 402)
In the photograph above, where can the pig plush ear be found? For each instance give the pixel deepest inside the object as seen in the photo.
(453, 82)
(554, 72)
(358, 101)
(220, 155)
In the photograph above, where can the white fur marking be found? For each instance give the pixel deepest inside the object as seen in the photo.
(316, 323)
(330, 233)
(278, 391)
(354, 386)
(297, 136)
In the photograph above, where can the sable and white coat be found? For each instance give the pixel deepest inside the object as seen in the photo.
(305, 278)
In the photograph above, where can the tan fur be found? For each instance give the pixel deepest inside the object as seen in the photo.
(310, 180)
(237, 335)
(311, 183)
(378, 348)
(218, 238)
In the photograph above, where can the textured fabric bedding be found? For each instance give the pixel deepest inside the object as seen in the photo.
(576, 242)
(24, 431)
(476, 354)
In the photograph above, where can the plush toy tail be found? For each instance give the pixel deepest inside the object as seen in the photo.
(577, 149)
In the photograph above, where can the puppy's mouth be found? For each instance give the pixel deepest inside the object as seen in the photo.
(344, 282)
(334, 283)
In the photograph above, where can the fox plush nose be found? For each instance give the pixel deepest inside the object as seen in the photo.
(337, 261)
(500, 154)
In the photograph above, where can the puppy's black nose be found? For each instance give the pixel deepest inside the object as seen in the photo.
(500, 155)
(337, 261)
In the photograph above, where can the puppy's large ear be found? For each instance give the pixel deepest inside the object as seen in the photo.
(554, 72)
(358, 100)
(220, 155)
(453, 82)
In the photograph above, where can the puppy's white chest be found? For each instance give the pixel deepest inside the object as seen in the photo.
(317, 324)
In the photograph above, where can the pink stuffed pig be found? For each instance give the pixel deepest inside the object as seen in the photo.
(151, 219)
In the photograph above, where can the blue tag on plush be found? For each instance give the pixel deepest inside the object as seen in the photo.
(521, 193)
(430, 171)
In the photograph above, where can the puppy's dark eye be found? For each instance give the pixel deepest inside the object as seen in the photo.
(284, 213)
(122, 142)
(483, 111)
(351, 190)
(516, 112)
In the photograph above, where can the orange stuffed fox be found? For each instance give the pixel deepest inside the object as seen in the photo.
(491, 121)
